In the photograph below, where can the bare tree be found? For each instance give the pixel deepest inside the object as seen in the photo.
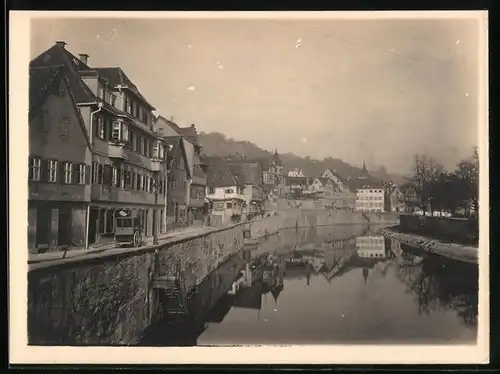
(425, 172)
(468, 171)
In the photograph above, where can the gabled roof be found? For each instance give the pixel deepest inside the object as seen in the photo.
(323, 180)
(117, 77)
(75, 68)
(41, 81)
(333, 172)
(58, 55)
(177, 149)
(219, 174)
(190, 134)
(248, 172)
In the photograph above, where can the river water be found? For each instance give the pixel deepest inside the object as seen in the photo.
(330, 285)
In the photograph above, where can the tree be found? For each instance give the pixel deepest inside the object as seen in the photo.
(468, 172)
(424, 176)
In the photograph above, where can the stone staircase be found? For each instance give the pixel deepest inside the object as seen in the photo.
(172, 293)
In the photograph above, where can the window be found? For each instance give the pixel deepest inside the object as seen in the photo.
(142, 183)
(128, 105)
(81, 174)
(211, 190)
(52, 171)
(95, 172)
(140, 112)
(162, 151)
(174, 183)
(125, 133)
(64, 127)
(117, 131)
(113, 100)
(133, 136)
(229, 190)
(100, 128)
(142, 146)
(122, 178)
(68, 172)
(115, 177)
(156, 149)
(146, 147)
(229, 205)
(35, 169)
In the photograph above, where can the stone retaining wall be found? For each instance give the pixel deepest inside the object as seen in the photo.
(107, 298)
(448, 229)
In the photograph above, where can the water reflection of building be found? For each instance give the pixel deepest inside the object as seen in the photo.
(370, 246)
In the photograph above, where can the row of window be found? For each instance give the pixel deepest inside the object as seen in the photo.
(138, 111)
(131, 106)
(362, 190)
(364, 198)
(53, 171)
(197, 192)
(117, 131)
(125, 178)
(227, 205)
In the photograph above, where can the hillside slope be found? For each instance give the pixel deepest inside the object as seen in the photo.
(216, 144)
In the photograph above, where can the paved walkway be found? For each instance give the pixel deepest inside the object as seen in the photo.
(51, 256)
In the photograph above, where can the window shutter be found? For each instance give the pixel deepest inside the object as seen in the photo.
(30, 168)
(118, 177)
(87, 174)
(100, 173)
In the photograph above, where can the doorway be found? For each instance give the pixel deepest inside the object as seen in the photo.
(64, 229)
(43, 222)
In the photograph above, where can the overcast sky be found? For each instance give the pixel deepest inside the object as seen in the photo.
(378, 90)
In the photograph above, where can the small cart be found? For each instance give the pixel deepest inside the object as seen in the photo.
(128, 230)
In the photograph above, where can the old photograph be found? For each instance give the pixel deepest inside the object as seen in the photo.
(218, 181)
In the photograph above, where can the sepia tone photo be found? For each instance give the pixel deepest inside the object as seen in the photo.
(252, 181)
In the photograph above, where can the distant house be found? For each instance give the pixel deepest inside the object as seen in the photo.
(318, 185)
(394, 199)
(250, 174)
(297, 173)
(177, 196)
(225, 191)
(296, 183)
(197, 170)
(59, 163)
(335, 177)
(370, 195)
(409, 198)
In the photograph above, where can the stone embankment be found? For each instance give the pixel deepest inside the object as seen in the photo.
(107, 297)
(459, 252)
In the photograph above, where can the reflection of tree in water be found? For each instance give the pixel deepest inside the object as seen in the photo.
(444, 284)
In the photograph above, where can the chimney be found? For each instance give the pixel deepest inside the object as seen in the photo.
(172, 118)
(84, 57)
(61, 43)
(193, 126)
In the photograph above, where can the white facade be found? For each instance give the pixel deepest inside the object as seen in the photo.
(296, 173)
(226, 202)
(370, 246)
(370, 199)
